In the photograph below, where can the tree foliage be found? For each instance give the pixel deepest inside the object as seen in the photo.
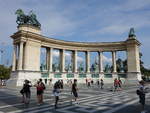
(144, 71)
(122, 66)
(4, 72)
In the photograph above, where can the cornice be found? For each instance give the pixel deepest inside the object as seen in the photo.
(70, 45)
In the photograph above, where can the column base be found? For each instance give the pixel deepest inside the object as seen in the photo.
(114, 75)
(17, 78)
(101, 75)
(133, 78)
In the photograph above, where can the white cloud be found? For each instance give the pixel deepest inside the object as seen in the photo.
(114, 29)
(56, 53)
(106, 59)
(80, 59)
(67, 55)
(132, 5)
(86, 20)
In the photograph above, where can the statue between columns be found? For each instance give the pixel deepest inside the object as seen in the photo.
(42, 67)
(95, 67)
(69, 68)
(55, 67)
(81, 69)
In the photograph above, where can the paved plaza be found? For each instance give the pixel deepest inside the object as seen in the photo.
(91, 100)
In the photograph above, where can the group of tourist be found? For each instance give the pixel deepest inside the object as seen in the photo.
(117, 84)
(99, 83)
(26, 93)
(40, 87)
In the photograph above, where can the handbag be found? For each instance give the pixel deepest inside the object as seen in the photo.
(22, 91)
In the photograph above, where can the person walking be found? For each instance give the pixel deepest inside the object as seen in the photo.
(142, 92)
(115, 84)
(86, 81)
(22, 93)
(26, 92)
(74, 91)
(61, 84)
(119, 84)
(102, 83)
(89, 83)
(98, 83)
(40, 90)
(56, 93)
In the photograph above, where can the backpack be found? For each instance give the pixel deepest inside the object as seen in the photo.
(138, 92)
(43, 86)
(22, 91)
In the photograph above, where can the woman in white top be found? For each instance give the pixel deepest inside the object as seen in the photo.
(56, 92)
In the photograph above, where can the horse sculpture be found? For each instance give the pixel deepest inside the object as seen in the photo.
(23, 19)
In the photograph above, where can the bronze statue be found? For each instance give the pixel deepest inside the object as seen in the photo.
(132, 33)
(23, 19)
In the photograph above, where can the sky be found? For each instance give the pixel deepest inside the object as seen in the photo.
(80, 20)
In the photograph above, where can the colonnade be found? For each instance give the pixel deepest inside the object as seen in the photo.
(19, 58)
(28, 42)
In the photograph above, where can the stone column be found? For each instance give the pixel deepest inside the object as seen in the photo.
(31, 56)
(133, 59)
(25, 56)
(100, 62)
(62, 61)
(20, 60)
(74, 61)
(50, 59)
(114, 61)
(87, 61)
(14, 57)
(47, 58)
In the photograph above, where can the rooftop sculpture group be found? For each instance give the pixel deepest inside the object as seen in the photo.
(29, 19)
(132, 33)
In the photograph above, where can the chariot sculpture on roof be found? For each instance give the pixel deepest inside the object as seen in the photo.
(29, 19)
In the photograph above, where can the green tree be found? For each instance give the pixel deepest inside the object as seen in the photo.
(144, 71)
(4, 72)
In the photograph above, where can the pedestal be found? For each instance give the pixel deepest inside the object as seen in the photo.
(133, 78)
(17, 78)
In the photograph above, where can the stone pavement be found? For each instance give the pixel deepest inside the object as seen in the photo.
(91, 100)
